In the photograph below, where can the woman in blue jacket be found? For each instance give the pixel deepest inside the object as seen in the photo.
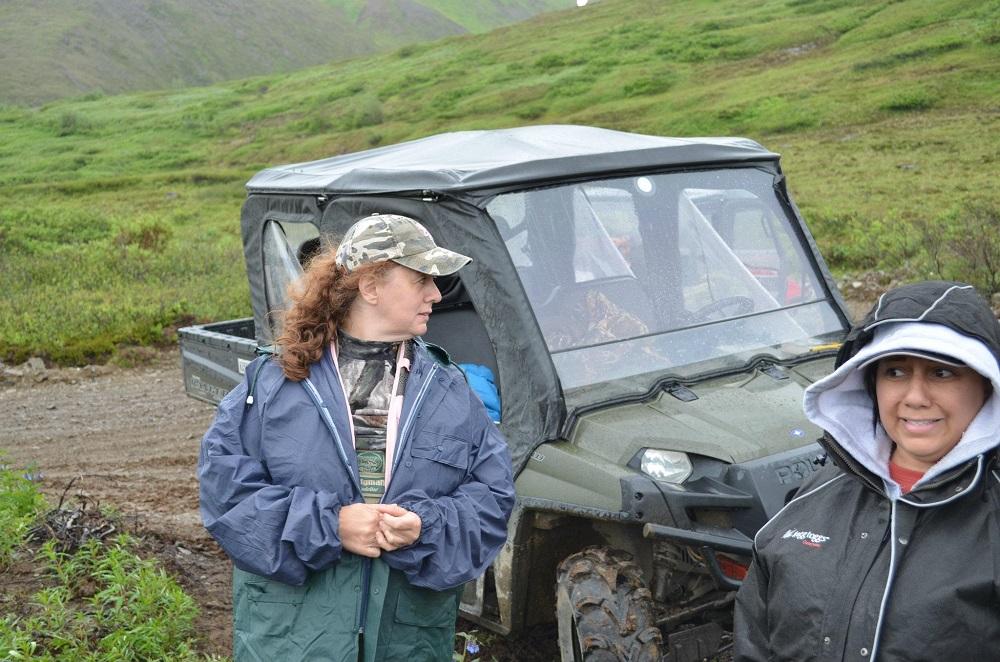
(355, 479)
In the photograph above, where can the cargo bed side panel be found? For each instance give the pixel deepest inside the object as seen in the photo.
(214, 357)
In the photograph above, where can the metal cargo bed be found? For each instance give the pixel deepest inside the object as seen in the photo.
(214, 357)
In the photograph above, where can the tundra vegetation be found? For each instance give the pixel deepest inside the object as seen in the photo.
(91, 599)
(119, 215)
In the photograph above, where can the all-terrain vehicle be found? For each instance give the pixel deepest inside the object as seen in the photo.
(652, 309)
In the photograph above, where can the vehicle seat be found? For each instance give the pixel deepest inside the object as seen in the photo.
(595, 312)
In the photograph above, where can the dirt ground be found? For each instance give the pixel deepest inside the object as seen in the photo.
(130, 438)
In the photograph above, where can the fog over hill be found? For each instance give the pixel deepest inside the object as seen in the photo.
(57, 48)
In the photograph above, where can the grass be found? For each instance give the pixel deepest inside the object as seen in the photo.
(120, 214)
(20, 503)
(98, 602)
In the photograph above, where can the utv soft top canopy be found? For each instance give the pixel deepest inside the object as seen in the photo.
(468, 169)
(477, 160)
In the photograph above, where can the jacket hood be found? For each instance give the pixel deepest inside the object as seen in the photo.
(955, 305)
(947, 322)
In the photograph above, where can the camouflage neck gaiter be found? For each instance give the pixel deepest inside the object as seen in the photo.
(367, 369)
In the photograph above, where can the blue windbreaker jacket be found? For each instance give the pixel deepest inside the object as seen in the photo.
(274, 474)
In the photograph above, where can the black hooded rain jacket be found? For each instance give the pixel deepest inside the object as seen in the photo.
(851, 569)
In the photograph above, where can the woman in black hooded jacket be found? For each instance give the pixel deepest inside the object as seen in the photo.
(892, 550)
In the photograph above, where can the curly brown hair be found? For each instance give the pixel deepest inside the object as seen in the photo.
(320, 301)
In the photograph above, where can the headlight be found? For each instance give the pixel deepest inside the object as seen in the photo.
(668, 466)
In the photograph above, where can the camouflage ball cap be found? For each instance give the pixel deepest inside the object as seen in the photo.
(398, 238)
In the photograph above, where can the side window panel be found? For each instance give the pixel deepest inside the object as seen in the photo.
(283, 243)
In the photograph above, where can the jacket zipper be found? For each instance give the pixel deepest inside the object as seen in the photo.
(853, 466)
(405, 428)
(888, 581)
(366, 571)
(328, 421)
(366, 563)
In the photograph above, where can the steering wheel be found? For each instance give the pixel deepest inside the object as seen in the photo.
(729, 306)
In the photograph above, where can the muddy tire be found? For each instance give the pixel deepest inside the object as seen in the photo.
(604, 610)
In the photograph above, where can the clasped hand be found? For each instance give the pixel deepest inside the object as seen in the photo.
(368, 529)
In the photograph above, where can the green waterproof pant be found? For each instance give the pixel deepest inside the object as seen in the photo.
(320, 620)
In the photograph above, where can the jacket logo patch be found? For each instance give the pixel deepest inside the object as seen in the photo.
(808, 538)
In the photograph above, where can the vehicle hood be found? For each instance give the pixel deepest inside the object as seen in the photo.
(734, 419)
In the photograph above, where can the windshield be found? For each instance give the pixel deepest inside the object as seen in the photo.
(664, 272)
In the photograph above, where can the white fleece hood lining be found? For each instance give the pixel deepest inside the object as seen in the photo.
(840, 405)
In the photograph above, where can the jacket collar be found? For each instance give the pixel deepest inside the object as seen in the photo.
(425, 360)
(943, 488)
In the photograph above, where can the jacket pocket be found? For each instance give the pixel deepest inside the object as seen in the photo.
(443, 449)
(422, 627)
(437, 464)
(423, 607)
(271, 609)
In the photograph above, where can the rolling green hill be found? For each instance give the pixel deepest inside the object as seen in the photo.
(51, 49)
(120, 214)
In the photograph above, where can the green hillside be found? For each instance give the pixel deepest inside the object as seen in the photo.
(120, 215)
(485, 16)
(51, 49)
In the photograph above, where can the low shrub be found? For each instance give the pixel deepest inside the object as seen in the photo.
(649, 85)
(975, 246)
(924, 50)
(532, 112)
(550, 62)
(149, 236)
(909, 100)
(70, 123)
(367, 112)
(99, 601)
